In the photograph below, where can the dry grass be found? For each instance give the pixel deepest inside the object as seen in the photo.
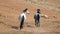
(10, 9)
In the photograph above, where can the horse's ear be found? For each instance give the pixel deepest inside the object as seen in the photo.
(25, 10)
(38, 11)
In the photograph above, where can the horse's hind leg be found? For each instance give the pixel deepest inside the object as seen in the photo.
(22, 23)
(36, 23)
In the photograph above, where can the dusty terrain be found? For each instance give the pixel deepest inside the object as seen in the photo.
(10, 9)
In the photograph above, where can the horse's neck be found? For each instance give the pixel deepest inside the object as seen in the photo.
(24, 14)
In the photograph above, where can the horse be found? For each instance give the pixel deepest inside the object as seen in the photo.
(37, 18)
(22, 17)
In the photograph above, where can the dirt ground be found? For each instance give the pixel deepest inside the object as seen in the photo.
(10, 10)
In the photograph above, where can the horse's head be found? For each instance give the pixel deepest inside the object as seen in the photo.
(38, 10)
(26, 11)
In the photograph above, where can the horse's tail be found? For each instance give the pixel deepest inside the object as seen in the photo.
(22, 22)
(22, 18)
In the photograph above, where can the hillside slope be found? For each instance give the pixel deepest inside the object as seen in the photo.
(10, 10)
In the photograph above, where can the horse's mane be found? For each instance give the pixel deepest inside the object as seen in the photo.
(25, 10)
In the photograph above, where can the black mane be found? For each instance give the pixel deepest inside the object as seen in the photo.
(25, 10)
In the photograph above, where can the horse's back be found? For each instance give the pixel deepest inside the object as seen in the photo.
(22, 16)
(37, 16)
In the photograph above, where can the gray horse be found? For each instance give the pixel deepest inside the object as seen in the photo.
(37, 18)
